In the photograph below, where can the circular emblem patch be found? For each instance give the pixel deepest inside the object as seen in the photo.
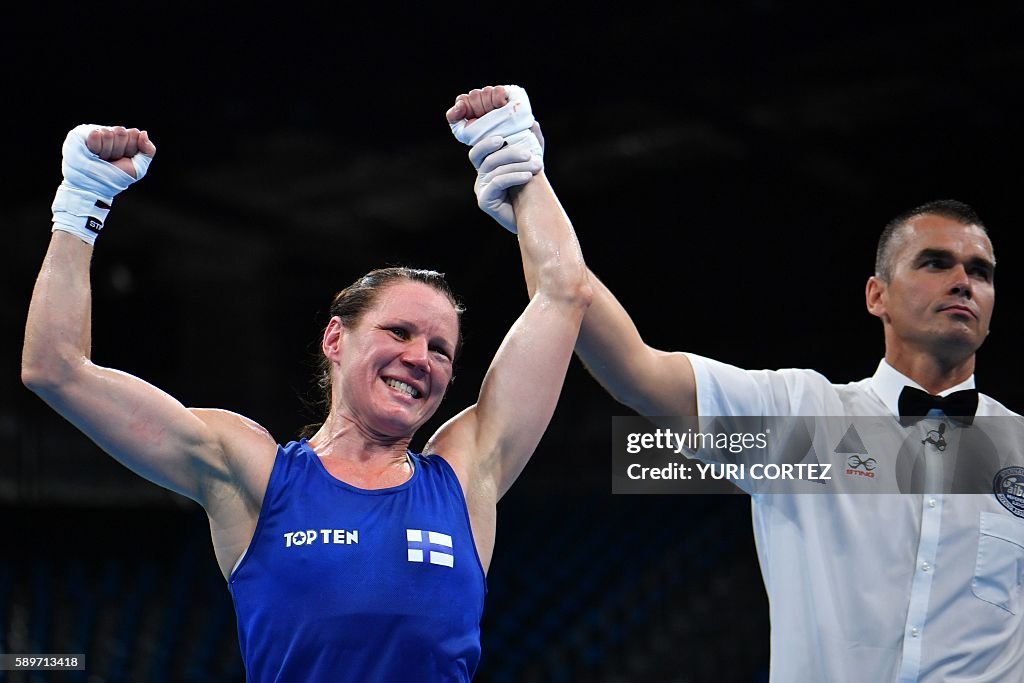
(1008, 487)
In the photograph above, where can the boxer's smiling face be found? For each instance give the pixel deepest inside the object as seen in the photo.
(394, 365)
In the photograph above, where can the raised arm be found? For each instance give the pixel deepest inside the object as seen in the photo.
(491, 441)
(649, 381)
(141, 426)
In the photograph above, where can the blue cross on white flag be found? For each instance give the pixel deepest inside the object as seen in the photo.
(437, 546)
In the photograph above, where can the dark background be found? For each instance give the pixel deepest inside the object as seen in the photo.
(727, 166)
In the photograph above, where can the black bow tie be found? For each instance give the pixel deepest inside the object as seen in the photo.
(915, 404)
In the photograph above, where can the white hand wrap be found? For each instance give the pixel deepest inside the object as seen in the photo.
(506, 153)
(512, 122)
(83, 199)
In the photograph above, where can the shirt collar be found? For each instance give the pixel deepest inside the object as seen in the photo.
(888, 382)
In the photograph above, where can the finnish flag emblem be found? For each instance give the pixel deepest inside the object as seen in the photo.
(430, 546)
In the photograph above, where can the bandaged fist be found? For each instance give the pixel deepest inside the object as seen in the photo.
(98, 163)
(502, 110)
(474, 104)
(498, 118)
(118, 145)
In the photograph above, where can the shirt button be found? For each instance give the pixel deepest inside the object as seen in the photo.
(931, 502)
(914, 632)
(925, 566)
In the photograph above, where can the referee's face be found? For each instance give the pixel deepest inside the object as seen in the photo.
(941, 293)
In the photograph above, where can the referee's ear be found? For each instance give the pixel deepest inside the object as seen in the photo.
(874, 296)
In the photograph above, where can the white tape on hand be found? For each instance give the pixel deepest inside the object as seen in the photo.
(511, 122)
(90, 184)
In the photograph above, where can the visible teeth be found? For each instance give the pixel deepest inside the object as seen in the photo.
(402, 386)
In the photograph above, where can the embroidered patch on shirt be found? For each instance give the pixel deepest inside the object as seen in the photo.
(436, 548)
(1008, 487)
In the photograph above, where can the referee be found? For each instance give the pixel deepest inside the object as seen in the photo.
(879, 588)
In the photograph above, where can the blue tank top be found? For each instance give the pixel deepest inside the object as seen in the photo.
(347, 584)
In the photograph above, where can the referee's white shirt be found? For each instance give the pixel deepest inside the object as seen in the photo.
(877, 588)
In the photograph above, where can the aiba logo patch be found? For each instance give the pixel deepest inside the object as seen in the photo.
(1008, 487)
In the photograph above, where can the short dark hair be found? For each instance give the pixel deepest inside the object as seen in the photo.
(352, 302)
(888, 241)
